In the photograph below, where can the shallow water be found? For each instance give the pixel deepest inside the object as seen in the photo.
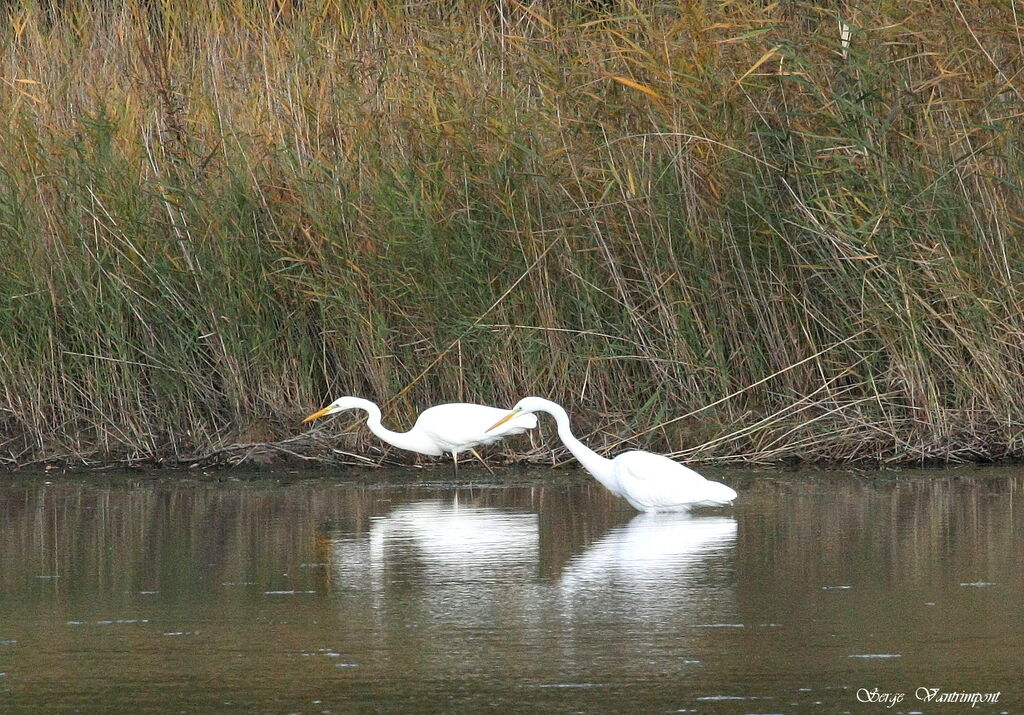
(530, 591)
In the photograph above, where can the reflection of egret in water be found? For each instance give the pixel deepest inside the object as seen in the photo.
(449, 581)
(453, 560)
(439, 579)
(653, 567)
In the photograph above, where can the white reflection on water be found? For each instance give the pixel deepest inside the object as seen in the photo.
(438, 573)
(463, 586)
(447, 542)
(650, 549)
(656, 566)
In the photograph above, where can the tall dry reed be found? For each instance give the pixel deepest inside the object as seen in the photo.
(728, 230)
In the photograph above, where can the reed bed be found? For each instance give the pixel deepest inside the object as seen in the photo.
(732, 231)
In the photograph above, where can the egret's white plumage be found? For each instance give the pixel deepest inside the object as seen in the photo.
(454, 427)
(649, 482)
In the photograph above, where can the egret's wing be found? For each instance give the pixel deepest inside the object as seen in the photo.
(461, 425)
(657, 468)
(660, 483)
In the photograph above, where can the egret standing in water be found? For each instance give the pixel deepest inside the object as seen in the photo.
(454, 427)
(649, 482)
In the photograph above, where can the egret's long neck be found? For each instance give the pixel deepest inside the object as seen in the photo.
(593, 462)
(411, 440)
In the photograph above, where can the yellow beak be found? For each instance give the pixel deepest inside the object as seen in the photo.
(317, 415)
(504, 419)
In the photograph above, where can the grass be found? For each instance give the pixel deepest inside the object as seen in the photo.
(712, 230)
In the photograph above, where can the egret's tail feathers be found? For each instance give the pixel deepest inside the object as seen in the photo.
(717, 493)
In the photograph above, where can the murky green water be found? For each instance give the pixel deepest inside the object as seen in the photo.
(367, 593)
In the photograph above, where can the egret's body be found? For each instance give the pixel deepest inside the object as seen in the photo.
(649, 482)
(454, 427)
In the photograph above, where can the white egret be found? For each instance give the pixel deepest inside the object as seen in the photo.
(454, 427)
(649, 482)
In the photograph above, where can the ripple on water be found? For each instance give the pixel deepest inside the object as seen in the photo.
(285, 593)
(325, 652)
(876, 655)
(725, 698)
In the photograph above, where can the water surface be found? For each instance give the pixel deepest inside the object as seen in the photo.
(357, 591)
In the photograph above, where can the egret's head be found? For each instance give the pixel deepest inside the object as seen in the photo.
(524, 407)
(342, 403)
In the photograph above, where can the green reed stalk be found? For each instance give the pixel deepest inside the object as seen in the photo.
(213, 218)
